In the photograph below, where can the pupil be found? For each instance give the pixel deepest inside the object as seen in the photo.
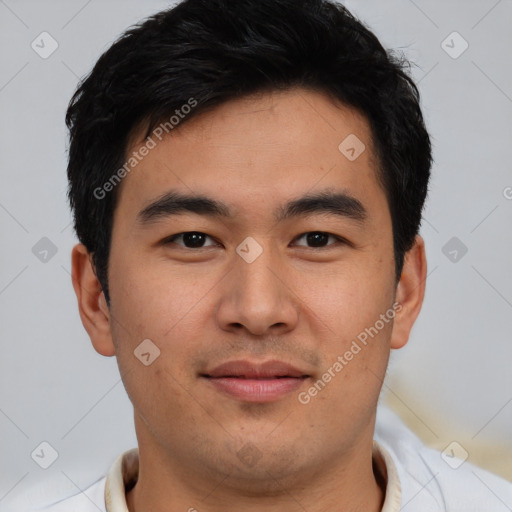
(317, 239)
(193, 239)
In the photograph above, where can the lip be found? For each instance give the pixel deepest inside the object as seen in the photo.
(256, 382)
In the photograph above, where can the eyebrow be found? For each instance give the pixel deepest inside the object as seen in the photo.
(328, 201)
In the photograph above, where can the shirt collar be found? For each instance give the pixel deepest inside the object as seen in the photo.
(122, 477)
(124, 472)
(385, 464)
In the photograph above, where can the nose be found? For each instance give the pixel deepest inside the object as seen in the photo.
(258, 297)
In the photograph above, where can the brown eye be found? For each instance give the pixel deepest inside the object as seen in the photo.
(318, 239)
(190, 239)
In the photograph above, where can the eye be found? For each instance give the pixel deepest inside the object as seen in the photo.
(189, 240)
(197, 239)
(319, 239)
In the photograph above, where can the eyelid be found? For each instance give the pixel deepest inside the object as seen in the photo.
(171, 239)
(339, 240)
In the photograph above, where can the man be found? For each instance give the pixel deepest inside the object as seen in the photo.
(247, 181)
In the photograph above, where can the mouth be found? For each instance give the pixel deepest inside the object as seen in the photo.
(255, 382)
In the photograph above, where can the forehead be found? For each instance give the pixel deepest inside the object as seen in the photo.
(257, 150)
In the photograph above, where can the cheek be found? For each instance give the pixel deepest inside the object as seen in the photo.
(159, 394)
(350, 300)
(166, 309)
(357, 308)
(159, 299)
(147, 309)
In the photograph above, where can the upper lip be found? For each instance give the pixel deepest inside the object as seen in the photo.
(251, 370)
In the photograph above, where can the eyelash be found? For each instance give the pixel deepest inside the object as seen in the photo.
(339, 240)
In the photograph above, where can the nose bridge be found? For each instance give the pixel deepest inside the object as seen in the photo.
(257, 296)
(256, 270)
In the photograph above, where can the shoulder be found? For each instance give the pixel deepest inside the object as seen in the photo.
(431, 480)
(91, 499)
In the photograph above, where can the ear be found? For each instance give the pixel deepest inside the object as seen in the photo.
(409, 293)
(93, 308)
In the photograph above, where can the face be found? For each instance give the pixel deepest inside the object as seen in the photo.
(269, 304)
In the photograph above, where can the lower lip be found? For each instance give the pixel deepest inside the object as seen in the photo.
(256, 390)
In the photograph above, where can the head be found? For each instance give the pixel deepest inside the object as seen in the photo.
(292, 144)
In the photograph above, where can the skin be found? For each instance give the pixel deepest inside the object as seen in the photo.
(296, 303)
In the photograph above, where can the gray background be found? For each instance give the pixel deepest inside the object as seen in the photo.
(451, 382)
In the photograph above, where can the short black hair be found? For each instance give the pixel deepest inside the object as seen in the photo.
(207, 52)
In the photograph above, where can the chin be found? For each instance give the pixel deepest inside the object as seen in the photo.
(264, 472)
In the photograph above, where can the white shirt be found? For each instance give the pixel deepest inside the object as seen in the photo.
(418, 478)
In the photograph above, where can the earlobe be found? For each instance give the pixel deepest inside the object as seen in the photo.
(92, 306)
(410, 293)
